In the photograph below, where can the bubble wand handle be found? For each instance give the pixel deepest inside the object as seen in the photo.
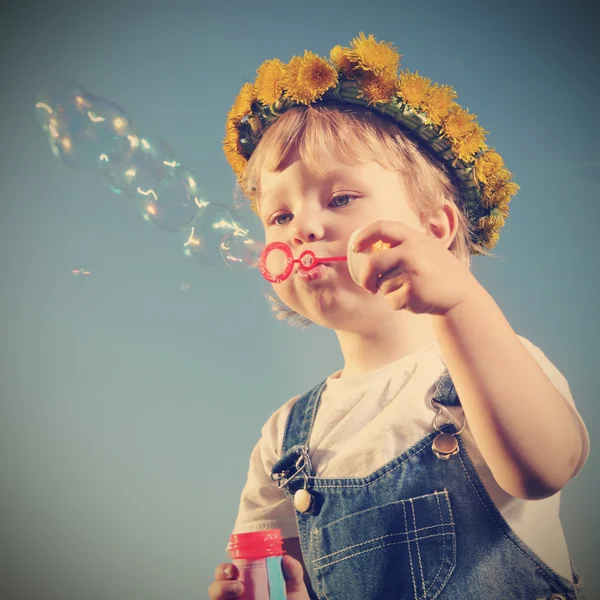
(324, 259)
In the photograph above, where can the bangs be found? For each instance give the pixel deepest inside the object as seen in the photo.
(324, 136)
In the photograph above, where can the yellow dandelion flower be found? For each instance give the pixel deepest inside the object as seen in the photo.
(374, 56)
(497, 222)
(491, 239)
(233, 149)
(494, 189)
(290, 81)
(499, 194)
(437, 102)
(378, 88)
(308, 78)
(413, 88)
(498, 178)
(492, 222)
(243, 103)
(231, 135)
(466, 147)
(488, 163)
(269, 81)
(341, 59)
(318, 73)
(459, 123)
(504, 208)
(505, 192)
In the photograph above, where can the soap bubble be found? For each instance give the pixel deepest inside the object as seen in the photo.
(240, 202)
(51, 97)
(173, 203)
(81, 271)
(151, 162)
(241, 250)
(91, 132)
(202, 240)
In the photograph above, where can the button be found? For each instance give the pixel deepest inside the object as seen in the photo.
(302, 500)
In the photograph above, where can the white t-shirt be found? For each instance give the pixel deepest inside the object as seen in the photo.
(366, 420)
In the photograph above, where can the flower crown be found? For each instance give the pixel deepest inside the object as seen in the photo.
(366, 74)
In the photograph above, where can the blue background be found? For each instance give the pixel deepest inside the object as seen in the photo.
(128, 405)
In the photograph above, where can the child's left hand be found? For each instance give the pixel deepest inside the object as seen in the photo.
(417, 273)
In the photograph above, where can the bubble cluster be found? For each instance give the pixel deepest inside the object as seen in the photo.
(87, 132)
(240, 250)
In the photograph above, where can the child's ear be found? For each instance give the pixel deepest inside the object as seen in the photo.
(443, 225)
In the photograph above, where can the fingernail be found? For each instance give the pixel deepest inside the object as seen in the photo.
(228, 571)
(354, 247)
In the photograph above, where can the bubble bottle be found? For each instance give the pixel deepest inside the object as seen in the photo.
(258, 556)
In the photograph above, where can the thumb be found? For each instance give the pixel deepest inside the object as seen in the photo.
(293, 573)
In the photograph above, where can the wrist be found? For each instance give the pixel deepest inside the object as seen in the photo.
(475, 301)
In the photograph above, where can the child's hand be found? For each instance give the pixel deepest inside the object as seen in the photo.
(227, 586)
(416, 273)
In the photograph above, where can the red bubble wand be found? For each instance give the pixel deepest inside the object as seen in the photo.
(307, 261)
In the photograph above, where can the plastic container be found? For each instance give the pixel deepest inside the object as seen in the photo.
(258, 558)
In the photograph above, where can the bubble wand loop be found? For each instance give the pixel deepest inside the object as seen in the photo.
(307, 261)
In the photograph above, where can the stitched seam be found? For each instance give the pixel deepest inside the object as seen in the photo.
(414, 516)
(450, 571)
(425, 537)
(390, 504)
(444, 545)
(317, 485)
(434, 579)
(412, 572)
(384, 537)
(319, 579)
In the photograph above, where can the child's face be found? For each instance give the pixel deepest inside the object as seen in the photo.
(319, 213)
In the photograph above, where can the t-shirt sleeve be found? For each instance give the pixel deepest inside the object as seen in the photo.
(263, 505)
(561, 384)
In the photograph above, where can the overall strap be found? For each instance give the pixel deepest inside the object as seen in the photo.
(295, 456)
(445, 393)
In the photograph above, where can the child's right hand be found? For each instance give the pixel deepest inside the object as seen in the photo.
(227, 586)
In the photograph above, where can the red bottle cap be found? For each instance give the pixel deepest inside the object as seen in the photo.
(257, 544)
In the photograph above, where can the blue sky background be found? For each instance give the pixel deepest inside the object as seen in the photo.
(128, 405)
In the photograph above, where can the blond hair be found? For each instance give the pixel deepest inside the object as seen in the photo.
(325, 135)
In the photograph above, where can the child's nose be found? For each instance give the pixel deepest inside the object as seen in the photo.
(308, 228)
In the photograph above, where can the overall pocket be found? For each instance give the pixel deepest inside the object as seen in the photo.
(404, 550)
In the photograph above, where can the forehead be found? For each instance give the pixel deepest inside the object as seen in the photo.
(298, 176)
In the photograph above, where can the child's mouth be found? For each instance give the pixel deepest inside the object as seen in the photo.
(312, 274)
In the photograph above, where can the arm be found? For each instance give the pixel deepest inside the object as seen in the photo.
(523, 426)
(292, 547)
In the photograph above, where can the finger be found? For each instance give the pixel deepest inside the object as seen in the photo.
(218, 590)
(392, 280)
(381, 267)
(389, 232)
(293, 574)
(226, 571)
(398, 299)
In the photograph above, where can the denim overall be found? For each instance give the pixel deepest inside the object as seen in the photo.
(417, 528)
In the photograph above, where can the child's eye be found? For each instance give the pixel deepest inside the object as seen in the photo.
(338, 201)
(347, 197)
(276, 220)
